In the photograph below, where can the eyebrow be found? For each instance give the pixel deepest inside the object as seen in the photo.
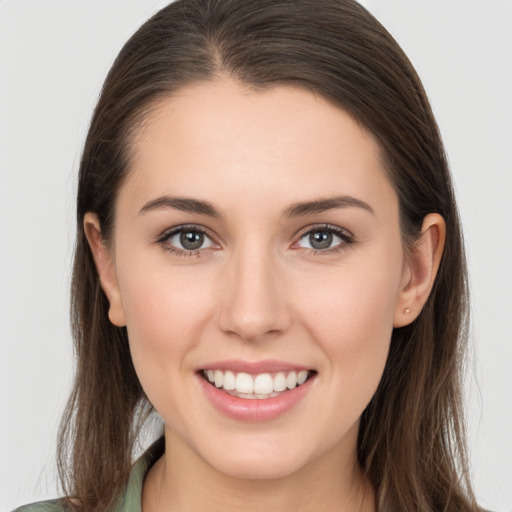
(301, 209)
(183, 204)
(322, 205)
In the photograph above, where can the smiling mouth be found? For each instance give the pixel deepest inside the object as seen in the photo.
(258, 387)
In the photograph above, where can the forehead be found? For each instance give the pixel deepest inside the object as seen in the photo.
(221, 139)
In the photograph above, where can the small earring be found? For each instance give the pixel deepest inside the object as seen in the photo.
(407, 311)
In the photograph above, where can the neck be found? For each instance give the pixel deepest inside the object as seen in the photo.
(181, 481)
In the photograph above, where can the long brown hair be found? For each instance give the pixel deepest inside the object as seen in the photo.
(411, 438)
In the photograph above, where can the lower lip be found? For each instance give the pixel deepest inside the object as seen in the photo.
(264, 409)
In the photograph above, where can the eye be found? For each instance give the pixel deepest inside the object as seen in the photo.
(186, 240)
(324, 238)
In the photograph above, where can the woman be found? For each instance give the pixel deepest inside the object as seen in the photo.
(269, 255)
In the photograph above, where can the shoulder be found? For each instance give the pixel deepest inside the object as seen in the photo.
(58, 505)
(131, 498)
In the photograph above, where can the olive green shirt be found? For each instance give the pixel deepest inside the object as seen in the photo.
(129, 501)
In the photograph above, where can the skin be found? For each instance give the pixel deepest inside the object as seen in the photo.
(255, 291)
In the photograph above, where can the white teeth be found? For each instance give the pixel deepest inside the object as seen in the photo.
(264, 384)
(229, 381)
(291, 380)
(280, 382)
(259, 386)
(244, 383)
(302, 377)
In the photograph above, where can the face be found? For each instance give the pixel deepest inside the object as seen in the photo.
(257, 244)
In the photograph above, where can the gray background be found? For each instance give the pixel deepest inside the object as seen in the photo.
(54, 55)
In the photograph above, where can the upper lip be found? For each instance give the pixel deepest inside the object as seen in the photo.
(254, 367)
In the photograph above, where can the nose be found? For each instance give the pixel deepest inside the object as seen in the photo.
(253, 303)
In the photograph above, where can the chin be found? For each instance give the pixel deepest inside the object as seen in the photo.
(266, 459)
(258, 468)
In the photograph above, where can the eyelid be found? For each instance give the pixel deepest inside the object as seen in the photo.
(184, 227)
(346, 236)
(169, 232)
(343, 233)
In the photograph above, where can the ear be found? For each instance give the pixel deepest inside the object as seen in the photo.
(420, 270)
(106, 269)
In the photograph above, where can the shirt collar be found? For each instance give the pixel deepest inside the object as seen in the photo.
(132, 497)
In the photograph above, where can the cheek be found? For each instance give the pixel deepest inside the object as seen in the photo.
(165, 311)
(352, 322)
(166, 314)
(351, 306)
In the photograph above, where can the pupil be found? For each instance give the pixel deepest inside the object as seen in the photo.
(320, 240)
(191, 240)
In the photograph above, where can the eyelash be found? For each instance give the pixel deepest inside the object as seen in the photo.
(346, 237)
(163, 240)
